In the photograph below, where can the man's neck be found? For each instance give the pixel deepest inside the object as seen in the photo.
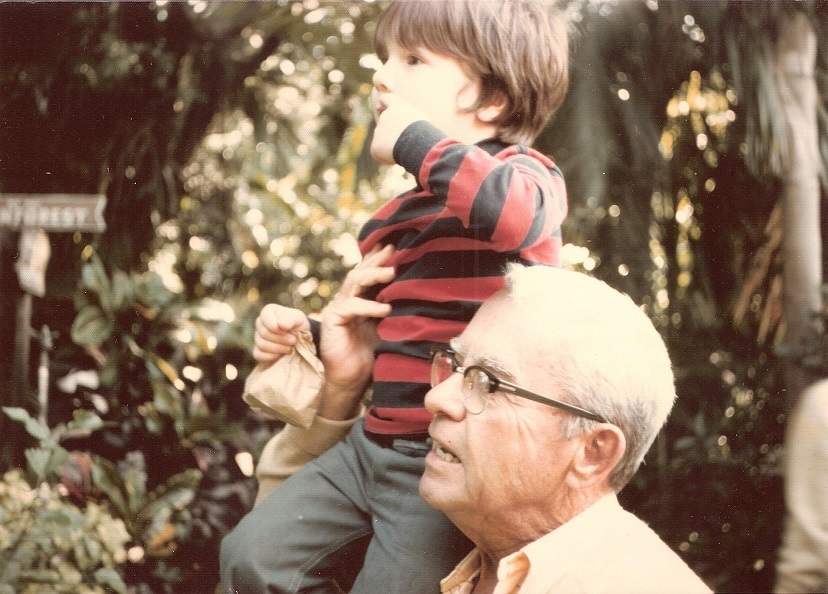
(486, 580)
(498, 538)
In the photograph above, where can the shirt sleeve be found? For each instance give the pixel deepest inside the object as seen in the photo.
(293, 447)
(512, 200)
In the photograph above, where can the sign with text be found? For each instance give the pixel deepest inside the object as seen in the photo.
(53, 212)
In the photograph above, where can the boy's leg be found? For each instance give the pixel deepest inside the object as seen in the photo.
(414, 546)
(309, 532)
(314, 528)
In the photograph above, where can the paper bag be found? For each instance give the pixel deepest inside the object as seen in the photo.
(288, 389)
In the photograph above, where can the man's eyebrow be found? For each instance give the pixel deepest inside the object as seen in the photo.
(492, 365)
(481, 360)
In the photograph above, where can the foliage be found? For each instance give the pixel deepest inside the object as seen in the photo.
(46, 540)
(158, 358)
(161, 317)
(229, 138)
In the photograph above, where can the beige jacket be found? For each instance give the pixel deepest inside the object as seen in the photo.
(803, 557)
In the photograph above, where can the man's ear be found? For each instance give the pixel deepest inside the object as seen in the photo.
(492, 109)
(601, 450)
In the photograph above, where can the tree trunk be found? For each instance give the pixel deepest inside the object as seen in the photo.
(795, 60)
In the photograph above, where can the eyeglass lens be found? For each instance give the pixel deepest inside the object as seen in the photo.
(476, 383)
(442, 366)
(476, 390)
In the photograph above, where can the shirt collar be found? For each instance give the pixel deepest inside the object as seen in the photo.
(577, 533)
(461, 579)
(492, 145)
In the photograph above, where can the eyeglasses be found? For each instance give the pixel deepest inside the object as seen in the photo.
(479, 384)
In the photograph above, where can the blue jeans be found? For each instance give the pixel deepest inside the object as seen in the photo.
(351, 520)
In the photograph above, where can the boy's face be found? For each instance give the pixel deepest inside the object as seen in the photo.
(437, 86)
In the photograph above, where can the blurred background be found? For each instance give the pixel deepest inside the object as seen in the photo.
(229, 139)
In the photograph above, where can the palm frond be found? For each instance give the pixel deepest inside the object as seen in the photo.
(760, 297)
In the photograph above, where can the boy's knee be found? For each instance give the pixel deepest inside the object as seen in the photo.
(253, 559)
(240, 563)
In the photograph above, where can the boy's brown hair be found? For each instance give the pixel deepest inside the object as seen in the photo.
(517, 49)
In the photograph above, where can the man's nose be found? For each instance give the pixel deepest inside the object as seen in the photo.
(446, 398)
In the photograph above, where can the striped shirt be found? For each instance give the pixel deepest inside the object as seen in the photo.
(474, 210)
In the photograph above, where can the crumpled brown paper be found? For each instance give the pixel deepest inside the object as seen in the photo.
(288, 389)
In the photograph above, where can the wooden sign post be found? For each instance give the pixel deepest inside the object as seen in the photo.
(53, 212)
(33, 215)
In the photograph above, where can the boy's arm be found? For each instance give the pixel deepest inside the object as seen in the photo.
(347, 342)
(512, 200)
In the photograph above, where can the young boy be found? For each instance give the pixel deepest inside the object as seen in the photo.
(464, 86)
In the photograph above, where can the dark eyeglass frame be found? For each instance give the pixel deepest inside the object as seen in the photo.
(497, 384)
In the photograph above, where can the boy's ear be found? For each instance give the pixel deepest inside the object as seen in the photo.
(492, 109)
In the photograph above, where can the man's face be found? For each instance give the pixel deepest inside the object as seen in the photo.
(433, 83)
(512, 458)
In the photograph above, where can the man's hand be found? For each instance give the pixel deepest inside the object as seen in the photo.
(395, 115)
(349, 335)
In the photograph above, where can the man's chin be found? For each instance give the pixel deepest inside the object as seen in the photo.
(434, 491)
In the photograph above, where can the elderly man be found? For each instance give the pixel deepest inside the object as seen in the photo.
(543, 409)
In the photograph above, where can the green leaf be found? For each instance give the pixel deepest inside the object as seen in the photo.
(135, 485)
(43, 576)
(153, 292)
(167, 401)
(38, 460)
(58, 458)
(168, 370)
(95, 279)
(86, 421)
(123, 291)
(33, 427)
(110, 578)
(109, 372)
(156, 522)
(87, 552)
(91, 326)
(685, 443)
(699, 426)
(174, 495)
(106, 477)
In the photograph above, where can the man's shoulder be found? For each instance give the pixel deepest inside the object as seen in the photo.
(636, 559)
(609, 550)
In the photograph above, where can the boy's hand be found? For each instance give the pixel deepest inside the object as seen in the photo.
(395, 115)
(276, 329)
(276, 326)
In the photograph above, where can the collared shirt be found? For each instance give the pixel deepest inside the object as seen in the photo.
(602, 549)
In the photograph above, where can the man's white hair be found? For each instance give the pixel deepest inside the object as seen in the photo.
(604, 355)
